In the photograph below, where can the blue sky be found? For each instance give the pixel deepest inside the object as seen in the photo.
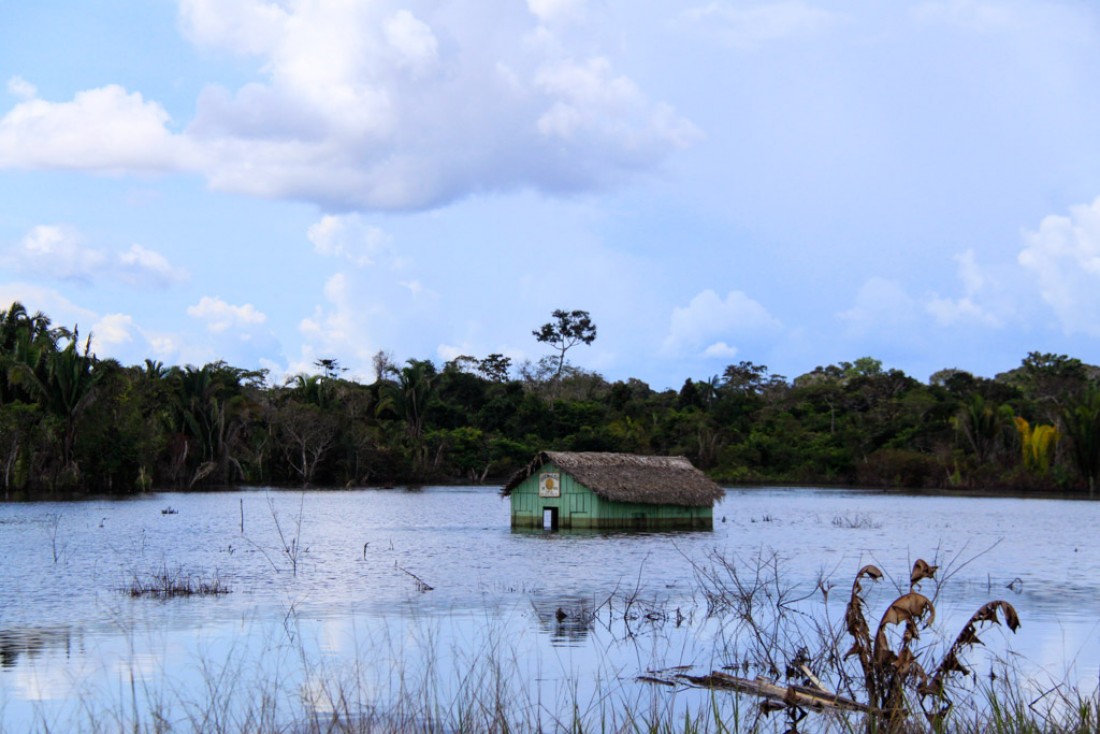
(793, 183)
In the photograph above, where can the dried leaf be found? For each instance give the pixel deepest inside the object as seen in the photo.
(883, 654)
(871, 572)
(909, 607)
(988, 613)
(968, 636)
(921, 570)
(951, 664)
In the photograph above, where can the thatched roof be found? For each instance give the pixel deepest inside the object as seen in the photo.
(651, 480)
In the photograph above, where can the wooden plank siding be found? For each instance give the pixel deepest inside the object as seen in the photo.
(579, 507)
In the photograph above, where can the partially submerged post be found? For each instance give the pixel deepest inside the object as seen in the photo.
(563, 489)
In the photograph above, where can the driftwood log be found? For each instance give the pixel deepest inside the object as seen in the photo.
(803, 697)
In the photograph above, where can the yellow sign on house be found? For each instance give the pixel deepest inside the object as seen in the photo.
(550, 484)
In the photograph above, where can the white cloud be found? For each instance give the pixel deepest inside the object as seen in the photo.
(349, 237)
(114, 329)
(552, 11)
(106, 129)
(139, 265)
(414, 41)
(709, 317)
(58, 251)
(1064, 256)
(220, 316)
(60, 310)
(244, 25)
(592, 103)
(20, 87)
(749, 26)
(881, 306)
(340, 328)
(964, 310)
(55, 251)
(416, 288)
(720, 350)
(357, 106)
(114, 336)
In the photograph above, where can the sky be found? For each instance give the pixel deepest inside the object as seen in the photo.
(793, 183)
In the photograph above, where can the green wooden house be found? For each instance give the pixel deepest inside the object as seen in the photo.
(561, 489)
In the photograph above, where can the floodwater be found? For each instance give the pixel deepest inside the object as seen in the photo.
(389, 592)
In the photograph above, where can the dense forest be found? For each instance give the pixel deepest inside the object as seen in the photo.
(72, 424)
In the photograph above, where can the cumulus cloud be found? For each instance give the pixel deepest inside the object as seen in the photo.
(748, 26)
(702, 324)
(966, 309)
(366, 109)
(55, 251)
(1064, 257)
(114, 329)
(358, 106)
(114, 336)
(58, 251)
(596, 107)
(106, 129)
(350, 238)
(720, 350)
(220, 316)
(20, 87)
(140, 266)
(57, 306)
(339, 327)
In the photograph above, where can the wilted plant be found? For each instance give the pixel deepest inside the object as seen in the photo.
(890, 675)
(897, 679)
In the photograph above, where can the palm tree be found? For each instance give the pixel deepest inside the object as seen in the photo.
(983, 425)
(1082, 424)
(206, 417)
(408, 398)
(63, 382)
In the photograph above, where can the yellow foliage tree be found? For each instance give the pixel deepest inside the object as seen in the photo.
(1037, 444)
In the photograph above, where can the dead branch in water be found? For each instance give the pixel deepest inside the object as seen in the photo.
(421, 584)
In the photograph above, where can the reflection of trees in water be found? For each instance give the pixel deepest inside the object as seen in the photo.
(568, 620)
(32, 642)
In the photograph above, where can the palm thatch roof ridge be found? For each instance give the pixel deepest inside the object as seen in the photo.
(653, 480)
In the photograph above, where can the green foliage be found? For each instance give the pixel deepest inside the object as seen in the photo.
(72, 423)
(1082, 425)
(567, 330)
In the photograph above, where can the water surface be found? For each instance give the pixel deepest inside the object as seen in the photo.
(336, 584)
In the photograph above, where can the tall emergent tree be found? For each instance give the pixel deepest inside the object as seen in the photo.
(567, 330)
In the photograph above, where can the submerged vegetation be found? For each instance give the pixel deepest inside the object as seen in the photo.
(174, 583)
(71, 423)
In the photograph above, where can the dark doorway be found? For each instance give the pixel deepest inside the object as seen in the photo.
(550, 518)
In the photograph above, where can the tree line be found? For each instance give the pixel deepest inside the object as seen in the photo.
(74, 424)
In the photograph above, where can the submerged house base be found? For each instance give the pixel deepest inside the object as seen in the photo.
(590, 490)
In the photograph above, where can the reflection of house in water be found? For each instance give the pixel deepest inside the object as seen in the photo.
(32, 643)
(564, 489)
(567, 620)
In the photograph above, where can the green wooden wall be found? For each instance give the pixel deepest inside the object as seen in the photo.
(579, 507)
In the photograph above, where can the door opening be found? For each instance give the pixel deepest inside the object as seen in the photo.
(550, 518)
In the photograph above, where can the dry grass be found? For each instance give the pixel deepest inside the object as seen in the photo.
(175, 583)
